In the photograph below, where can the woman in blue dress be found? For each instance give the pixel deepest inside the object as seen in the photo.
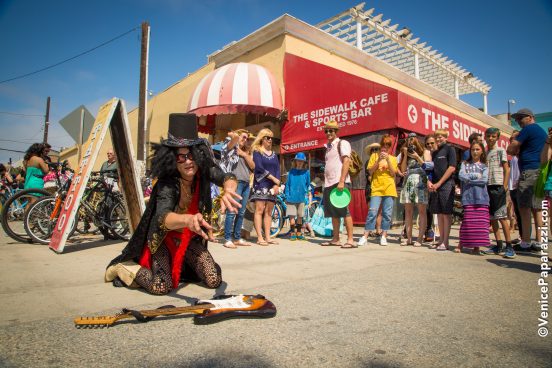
(266, 184)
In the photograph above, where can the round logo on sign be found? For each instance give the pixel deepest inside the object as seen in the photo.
(412, 114)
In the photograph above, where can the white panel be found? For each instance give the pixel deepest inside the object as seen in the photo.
(240, 90)
(213, 96)
(265, 87)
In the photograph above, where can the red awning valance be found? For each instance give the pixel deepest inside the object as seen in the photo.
(239, 87)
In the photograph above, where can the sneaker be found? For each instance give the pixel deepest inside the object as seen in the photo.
(516, 241)
(362, 241)
(522, 247)
(536, 246)
(300, 237)
(293, 237)
(383, 240)
(494, 250)
(509, 253)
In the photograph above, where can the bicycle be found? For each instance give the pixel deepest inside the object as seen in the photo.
(109, 215)
(13, 211)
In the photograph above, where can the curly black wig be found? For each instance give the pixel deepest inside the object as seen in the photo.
(34, 150)
(164, 167)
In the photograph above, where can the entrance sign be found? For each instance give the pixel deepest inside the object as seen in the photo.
(111, 116)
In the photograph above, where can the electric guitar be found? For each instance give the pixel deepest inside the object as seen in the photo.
(206, 311)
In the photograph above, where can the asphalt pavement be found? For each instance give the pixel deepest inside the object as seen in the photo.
(373, 306)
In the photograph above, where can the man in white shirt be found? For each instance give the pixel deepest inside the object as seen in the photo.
(336, 175)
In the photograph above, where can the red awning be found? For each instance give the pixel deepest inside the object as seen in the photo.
(239, 87)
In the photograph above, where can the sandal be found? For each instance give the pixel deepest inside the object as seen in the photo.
(441, 247)
(229, 244)
(432, 246)
(457, 250)
(349, 246)
(272, 242)
(416, 244)
(262, 242)
(242, 243)
(330, 244)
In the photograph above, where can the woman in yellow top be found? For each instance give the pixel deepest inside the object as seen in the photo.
(383, 167)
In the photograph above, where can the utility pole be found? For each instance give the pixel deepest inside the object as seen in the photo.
(47, 120)
(142, 98)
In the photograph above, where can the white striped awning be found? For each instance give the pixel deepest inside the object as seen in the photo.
(238, 87)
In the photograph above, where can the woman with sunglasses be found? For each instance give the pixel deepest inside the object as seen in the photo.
(430, 146)
(266, 184)
(414, 192)
(170, 241)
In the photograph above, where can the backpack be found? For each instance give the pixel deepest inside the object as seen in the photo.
(356, 164)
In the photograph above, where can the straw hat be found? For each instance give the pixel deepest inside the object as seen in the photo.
(332, 124)
(369, 147)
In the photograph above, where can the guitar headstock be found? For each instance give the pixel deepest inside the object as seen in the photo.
(95, 322)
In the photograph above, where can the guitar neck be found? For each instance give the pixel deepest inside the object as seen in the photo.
(175, 310)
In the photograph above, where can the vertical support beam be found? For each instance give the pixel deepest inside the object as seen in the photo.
(416, 65)
(456, 93)
(485, 103)
(46, 121)
(358, 34)
(142, 94)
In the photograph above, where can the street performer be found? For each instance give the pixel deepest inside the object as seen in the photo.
(170, 241)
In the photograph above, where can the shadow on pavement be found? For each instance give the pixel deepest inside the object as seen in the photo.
(529, 267)
(75, 247)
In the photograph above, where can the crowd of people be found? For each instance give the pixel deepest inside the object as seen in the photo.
(170, 243)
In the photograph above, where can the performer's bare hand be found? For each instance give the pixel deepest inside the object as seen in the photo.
(228, 201)
(197, 223)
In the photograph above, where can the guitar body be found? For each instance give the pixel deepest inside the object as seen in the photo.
(254, 306)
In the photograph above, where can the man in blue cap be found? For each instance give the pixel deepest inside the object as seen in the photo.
(297, 189)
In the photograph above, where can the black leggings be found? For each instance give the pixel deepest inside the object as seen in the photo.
(158, 280)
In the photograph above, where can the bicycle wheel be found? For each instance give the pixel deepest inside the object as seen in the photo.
(39, 223)
(277, 220)
(118, 221)
(311, 209)
(13, 213)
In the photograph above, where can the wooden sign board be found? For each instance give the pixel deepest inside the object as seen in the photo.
(111, 116)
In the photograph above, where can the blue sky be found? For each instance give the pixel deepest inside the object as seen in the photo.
(504, 43)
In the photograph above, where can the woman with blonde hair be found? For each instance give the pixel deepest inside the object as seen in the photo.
(414, 190)
(266, 184)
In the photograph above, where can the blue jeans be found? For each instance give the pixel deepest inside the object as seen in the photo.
(233, 222)
(387, 209)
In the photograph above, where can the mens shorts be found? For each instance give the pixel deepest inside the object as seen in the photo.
(294, 209)
(329, 209)
(497, 202)
(526, 189)
(442, 201)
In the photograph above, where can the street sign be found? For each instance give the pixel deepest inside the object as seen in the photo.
(72, 123)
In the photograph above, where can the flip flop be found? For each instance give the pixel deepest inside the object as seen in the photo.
(349, 246)
(263, 243)
(229, 244)
(457, 250)
(272, 242)
(416, 244)
(330, 244)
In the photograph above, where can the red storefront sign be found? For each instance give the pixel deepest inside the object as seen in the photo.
(423, 118)
(316, 94)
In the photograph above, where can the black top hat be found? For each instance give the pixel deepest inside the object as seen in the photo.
(182, 131)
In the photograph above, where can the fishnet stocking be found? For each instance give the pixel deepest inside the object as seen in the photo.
(157, 280)
(202, 263)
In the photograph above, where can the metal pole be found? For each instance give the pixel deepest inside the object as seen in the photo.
(81, 128)
(47, 121)
(485, 103)
(142, 98)
(359, 34)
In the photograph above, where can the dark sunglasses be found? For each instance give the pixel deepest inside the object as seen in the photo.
(267, 138)
(182, 157)
(430, 144)
(329, 131)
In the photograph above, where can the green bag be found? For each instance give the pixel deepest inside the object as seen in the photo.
(543, 176)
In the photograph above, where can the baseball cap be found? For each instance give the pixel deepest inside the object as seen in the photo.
(523, 112)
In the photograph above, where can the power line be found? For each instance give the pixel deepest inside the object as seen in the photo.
(5, 149)
(16, 114)
(72, 58)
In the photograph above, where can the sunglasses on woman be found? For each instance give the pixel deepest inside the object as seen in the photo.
(182, 157)
(329, 131)
(267, 138)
